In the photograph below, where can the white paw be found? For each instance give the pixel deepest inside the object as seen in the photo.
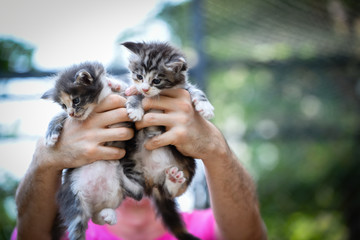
(174, 180)
(52, 139)
(116, 85)
(109, 216)
(205, 109)
(135, 114)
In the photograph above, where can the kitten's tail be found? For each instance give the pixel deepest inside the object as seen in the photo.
(58, 228)
(133, 181)
(75, 219)
(167, 209)
(72, 212)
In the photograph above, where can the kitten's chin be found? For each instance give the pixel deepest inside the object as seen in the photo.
(80, 117)
(150, 94)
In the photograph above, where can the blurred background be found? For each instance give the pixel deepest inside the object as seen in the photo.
(283, 75)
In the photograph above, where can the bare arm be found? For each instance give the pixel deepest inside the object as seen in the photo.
(232, 191)
(80, 143)
(35, 198)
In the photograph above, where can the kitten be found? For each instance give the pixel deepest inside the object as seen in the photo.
(168, 173)
(97, 189)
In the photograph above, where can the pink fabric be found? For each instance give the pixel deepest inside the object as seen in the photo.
(200, 223)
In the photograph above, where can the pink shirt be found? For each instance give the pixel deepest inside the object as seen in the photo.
(200, 223)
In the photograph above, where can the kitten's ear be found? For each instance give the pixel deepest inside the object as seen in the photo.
(134, 47)
(48, 94)
(177, 65)
(83, 77)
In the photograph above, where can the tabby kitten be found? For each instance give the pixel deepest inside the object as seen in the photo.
(97, 189)
(168, 173)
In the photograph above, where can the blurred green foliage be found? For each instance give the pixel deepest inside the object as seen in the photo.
(8, 186)
(284, 79)
(15, 56)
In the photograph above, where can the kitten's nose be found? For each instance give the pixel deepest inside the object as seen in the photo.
(71, 112)
(145, 90)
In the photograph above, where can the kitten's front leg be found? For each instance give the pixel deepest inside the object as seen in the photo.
(134, 107)
(201, 103)
(54, 129)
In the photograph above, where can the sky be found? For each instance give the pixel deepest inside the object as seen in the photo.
(71, 31)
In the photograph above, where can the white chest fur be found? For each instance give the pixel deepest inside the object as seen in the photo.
(98, 182)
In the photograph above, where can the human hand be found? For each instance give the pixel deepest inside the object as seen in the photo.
(190, 133)
(82, 142)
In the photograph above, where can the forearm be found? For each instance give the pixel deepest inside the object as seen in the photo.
(233, 194)
(35, 198)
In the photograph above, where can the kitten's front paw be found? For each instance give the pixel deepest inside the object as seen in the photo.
(135, 114)
(114, 85)
(205, 109)
(108, 216)
(51, 140)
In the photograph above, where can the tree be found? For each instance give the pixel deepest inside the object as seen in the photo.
(15, 56)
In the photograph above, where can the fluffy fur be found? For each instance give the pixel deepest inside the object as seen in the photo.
(155, 67)
(97, 189)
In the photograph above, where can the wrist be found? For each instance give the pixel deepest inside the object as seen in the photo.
(217, 147)
(44, 159)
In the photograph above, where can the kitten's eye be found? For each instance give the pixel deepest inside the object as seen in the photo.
(139, 77)
(76, 101)
(63, 106)
(156, 81)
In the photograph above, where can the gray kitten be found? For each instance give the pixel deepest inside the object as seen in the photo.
(155, 67)
(97, 189)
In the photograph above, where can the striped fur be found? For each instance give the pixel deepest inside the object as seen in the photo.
(155, 67)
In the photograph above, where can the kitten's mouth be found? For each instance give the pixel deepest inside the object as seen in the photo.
(148, 94)
(78, 116)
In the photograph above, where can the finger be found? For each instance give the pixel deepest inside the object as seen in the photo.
(131, 91)
(112, 101)
(175, 93)
(156, 119)
(109, 153)
(116, 134)
(167, 138)
(163, 103)
(177, 110)
(111, 117)
(173, 99)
